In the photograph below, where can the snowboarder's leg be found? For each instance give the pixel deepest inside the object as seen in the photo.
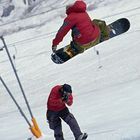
(89, 45)
(71, 49)
(55, 124)
(81, 48)
(71, 121)
(103, 28)
(58, 134)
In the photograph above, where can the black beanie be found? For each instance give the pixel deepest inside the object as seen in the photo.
(67, 88)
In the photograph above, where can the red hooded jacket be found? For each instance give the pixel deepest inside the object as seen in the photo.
(83, 30)
(55, 102)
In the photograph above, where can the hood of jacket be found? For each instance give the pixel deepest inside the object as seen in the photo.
(78, 7)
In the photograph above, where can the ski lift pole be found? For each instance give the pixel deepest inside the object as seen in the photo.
(7, 51)
(34, 129)
(20, 110)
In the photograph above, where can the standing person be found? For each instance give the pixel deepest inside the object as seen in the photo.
(85, 32)
(60, 97)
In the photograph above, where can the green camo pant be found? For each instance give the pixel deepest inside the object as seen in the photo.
(103, 28)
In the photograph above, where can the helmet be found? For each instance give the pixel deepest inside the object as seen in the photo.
(67, 88)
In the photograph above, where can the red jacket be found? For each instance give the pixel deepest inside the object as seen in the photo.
(55, 102)
(83, 30)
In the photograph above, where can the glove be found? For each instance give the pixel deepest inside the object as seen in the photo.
(54, 48)
(65, 98)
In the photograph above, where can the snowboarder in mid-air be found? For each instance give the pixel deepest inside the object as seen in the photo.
(60, 97)
(85, 32)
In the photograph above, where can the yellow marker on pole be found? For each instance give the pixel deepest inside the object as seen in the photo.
(36, 126)
(34, 129)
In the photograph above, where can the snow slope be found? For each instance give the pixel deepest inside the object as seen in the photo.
(106, 100)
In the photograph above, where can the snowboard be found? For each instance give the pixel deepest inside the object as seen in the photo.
(117, 27)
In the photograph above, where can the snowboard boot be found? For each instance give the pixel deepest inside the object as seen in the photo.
(83, 136)
(71, 50)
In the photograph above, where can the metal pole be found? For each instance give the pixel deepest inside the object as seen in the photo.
(20, 85)
(19, 108)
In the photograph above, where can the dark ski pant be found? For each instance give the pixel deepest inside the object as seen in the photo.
(54, 119)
